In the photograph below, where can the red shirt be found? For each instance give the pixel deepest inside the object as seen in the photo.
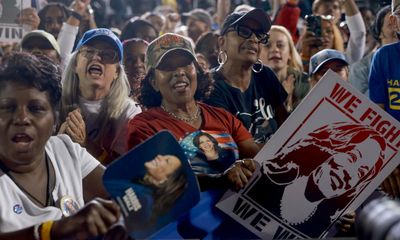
(147, 123)
(288, 16)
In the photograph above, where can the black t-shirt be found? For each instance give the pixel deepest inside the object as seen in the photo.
(256, 106)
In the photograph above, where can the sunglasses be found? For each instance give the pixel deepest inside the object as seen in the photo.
(108, 56)
(246, 32)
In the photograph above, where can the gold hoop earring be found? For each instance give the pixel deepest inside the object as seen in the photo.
(258, 62)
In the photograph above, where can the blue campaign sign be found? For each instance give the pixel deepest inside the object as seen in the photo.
(153, 184)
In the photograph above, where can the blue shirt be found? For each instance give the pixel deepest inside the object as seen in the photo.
(384, 79)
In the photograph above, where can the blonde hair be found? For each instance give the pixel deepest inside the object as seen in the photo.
(295, 59)
(113, 104)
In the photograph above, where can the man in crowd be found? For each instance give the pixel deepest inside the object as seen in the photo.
(198, 22)
(327, 59)
(39, 42)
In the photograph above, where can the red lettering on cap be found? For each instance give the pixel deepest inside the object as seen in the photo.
(170, 40)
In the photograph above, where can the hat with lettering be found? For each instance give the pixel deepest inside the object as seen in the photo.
(258, 15)
(199, 15)
(166, 43)
(395, 5)
(104, 34)
(324, 56)
(49, 39)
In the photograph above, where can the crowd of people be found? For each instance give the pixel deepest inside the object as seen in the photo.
(76, 93)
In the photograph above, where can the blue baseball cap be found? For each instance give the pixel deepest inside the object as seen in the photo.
(323, 56)
(101, 33)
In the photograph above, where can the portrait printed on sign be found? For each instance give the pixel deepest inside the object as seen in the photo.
(324, 171)
(153, 184)
(331, 153)
(210, 152)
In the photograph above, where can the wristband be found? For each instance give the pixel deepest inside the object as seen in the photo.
(76, 15)
(46, 230)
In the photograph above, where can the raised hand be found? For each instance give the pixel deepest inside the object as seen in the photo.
(311, 44)
(29, 16)
(80, 6)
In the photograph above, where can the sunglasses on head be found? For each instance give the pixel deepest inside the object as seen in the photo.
(246, 32)
(108, 56)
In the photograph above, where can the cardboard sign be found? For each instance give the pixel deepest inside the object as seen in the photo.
(10, 31)
(153, 184)
(331, 153)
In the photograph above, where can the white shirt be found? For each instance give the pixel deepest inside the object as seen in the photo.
(71, 163)
(356, 44)
(66, 39)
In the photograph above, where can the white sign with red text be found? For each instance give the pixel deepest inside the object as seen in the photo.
(330, 154)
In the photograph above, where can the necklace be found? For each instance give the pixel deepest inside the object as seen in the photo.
(190, 119)
(49, 185)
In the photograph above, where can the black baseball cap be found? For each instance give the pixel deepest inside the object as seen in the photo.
(256, 14)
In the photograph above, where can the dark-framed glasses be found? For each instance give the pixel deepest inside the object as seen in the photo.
(108, 56)
(246, 32)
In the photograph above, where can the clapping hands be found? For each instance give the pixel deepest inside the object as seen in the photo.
(75, 127)
(30, 17)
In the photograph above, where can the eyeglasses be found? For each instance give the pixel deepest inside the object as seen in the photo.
(246, 32)
(108, 56)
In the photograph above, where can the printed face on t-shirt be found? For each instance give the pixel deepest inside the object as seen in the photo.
(210, 151)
